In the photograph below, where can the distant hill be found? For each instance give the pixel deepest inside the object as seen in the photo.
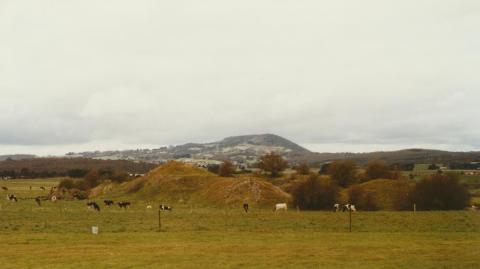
(400, 156)
(247, 149)
(242, 149)
(176, 182)
(16, 157)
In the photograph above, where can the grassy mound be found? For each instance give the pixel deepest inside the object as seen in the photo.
(177, 182)
(380, 194)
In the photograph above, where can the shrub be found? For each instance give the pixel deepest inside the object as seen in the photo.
(324, 169)
(440, 192)
(66, 184)
(81, 185)
(315, 193)
(303, 168)
(213, 168)
(379, 169)
(226, 169)
(79, 194)
(343, 172)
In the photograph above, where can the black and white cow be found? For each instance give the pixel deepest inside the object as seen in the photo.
(93, 205)
(123, 204)
(348, 207)
(108, 202)
(12, 197)
(165, 207)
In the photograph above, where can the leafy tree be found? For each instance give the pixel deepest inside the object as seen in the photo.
(440, 192)
(92, 179)
(303, 168)
(226, 169)
(273, 164)
(343, 172)
(315, 193)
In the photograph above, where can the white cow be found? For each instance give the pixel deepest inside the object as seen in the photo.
(280, 206)
(336, 207)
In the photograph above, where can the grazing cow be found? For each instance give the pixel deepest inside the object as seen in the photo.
(165, 207)
(37, 199)
(42, 187)
(245, 207)
(4, 188)
(336, 207)
(108, 202)
(123, 204)
(93, 205)
(348, 207)
(12, 197)
(280, 206)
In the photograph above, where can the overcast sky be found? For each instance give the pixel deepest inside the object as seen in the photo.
(329, 75)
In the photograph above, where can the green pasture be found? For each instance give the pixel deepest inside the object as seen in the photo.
(58, 235)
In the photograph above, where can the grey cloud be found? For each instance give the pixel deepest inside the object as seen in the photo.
(154, 72)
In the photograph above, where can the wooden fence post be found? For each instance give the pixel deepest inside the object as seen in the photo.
(159, 220)
(350, 220)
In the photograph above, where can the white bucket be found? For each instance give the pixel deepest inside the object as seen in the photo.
(94, 229)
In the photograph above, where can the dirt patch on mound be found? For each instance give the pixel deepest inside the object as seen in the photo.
(239, 190)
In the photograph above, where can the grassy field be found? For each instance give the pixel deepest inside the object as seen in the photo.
(57, 235)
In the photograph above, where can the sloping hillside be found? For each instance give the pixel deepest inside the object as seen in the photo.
(177, 182)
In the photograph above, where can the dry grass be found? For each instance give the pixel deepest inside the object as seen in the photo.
(57, 235)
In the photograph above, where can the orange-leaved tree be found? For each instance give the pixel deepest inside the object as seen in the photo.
(272, 163)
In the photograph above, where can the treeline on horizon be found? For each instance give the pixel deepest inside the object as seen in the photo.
(68, 167)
